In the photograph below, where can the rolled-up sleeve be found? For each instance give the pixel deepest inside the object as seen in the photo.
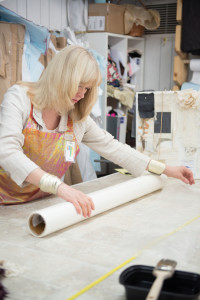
(13, 115)
(121, 154)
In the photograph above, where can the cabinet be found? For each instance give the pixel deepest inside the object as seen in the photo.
(101, 42)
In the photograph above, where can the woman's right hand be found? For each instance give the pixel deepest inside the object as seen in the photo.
(82, 203)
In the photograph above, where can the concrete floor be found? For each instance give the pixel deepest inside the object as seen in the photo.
(164, 224)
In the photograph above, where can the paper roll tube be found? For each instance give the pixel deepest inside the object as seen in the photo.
(195, 65)
(56, 217)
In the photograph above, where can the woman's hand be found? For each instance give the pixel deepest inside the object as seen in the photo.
(180, 172)
(82, 203)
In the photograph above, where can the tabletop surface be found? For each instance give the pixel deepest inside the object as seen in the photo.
(163, 224)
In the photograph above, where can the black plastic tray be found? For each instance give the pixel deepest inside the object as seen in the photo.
(138, 280)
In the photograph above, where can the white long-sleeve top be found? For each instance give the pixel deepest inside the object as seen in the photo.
(14, 114)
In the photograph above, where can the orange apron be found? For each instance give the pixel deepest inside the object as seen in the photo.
(46, 149)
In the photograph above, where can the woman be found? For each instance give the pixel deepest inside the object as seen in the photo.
(42, 124)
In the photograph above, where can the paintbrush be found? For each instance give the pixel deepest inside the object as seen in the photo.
(164, 269)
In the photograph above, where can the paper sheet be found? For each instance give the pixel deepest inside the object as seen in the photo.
(62, 215)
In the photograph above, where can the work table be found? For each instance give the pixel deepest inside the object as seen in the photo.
(163, 224)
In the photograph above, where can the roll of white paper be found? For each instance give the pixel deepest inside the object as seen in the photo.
(48, 220)
(195, 68)
(195, 65)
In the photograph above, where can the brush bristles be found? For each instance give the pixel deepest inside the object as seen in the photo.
(166, 264)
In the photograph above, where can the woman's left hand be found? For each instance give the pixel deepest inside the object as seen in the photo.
(180, 172)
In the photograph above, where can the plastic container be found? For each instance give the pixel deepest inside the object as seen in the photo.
(138, 280)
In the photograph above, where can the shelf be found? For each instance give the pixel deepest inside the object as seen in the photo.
(123, 44)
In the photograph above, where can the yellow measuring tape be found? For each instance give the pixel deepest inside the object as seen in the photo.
(154, 242)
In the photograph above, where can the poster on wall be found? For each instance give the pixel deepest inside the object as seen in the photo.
(168, 127)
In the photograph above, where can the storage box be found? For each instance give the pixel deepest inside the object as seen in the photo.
(106, 17)
(138, 280)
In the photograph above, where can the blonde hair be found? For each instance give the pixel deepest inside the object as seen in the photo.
(71, 67)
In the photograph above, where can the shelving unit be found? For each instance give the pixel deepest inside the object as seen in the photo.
(101, 42)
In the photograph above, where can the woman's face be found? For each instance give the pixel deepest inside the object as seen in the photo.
(82, 89)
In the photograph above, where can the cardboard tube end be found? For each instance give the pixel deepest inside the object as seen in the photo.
(36, 224)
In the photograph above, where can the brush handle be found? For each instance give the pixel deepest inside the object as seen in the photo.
(156, 287)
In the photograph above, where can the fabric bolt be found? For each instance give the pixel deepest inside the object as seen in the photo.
(126, 97)
(15, 111)
(46, 149)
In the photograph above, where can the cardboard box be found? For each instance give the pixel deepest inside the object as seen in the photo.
(106, 17)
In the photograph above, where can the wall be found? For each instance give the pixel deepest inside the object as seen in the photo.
(159, 62)
(48, 13)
